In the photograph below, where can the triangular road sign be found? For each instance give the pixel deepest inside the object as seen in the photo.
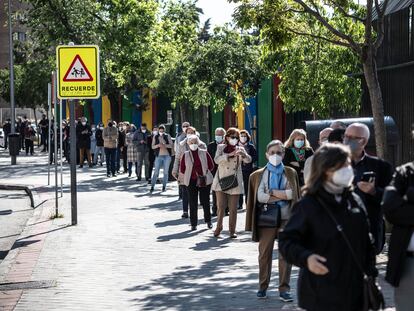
(77, 71)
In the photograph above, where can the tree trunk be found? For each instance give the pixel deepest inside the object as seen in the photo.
(377, 105)
(184, 113)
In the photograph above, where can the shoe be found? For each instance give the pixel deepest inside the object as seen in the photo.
(114, 175)
(261, 294)
(108, 175)
(193, 228)
(101, 164)
(184, 215)
(286, 297)
(217, 231)
(240, 207)
(209, 225)
(138, 178)
(163, 189)
(233, 236)
(129, 175)
(213, 214)
(149, 182)
(152, 189)
(90, 165)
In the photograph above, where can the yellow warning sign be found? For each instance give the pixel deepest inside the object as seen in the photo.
(78, 71)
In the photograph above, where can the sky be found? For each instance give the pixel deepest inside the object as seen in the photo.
(220, 11)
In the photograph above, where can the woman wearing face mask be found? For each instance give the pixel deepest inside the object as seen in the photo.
(229, 157)
(298, 150)
(247, 168)
(273, 183)
(196, 167)
(330, 278)
(99, 150)
(132, 152)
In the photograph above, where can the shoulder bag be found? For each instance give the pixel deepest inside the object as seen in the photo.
(201, 179)
(373, 297)
(229, 182)
(269, 214)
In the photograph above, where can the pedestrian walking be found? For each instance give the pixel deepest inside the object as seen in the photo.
(212, 148)
(22, 131)
(100, 149)
(151, 153)
(372, 175)
(228, 181)
(121, 150)
(7, 131)
(196, 166)
(110, 136)
(162, 145)
(298, 150)
(93, 143)
(327, 236)
(247, 168)
(132, 152)
(44, 132)
(29, 138)
(84, 133)
(274, 186)
(140, 145)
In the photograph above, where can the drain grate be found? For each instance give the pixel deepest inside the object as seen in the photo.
(27, 285)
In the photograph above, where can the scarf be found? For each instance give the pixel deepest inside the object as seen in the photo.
(275, 175)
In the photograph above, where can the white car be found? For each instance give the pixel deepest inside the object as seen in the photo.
(2, 139)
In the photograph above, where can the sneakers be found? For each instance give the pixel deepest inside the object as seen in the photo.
(193, 228)
(285, 297)
(261, 294)
(209, 225)
(152, 189)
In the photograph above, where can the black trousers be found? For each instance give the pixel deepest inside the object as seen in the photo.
(193, 193)
(29, 146)
(184, 197)
(246, 176)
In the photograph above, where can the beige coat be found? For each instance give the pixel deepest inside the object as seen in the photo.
(110, 137)
(182, 148)
(254, 183)
(189, 162)
(227, 167)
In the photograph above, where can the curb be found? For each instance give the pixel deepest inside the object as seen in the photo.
(28, 189)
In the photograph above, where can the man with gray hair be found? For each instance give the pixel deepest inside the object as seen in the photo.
(372, 175)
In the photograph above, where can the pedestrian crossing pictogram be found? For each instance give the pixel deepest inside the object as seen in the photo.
(77, 71)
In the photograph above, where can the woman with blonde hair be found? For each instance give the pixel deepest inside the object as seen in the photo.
(298, 150)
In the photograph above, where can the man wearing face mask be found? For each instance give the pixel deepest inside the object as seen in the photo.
(162, 145)
(274, 183)
(110, 136)
(140, 143)
(84, 133)
(211, 149)
(100, 150)
(372, 175)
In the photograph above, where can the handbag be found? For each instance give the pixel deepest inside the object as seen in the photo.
(269, 214)
(229, 182)
(373, 297)
(201, 179)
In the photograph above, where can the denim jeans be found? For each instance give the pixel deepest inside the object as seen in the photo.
(110, 155)
(162, 160)
(130, 168)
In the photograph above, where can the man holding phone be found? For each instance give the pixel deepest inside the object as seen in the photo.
(372, 175)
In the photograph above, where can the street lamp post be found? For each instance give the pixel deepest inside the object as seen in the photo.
(13, 117)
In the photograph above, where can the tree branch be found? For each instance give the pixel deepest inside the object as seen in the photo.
(381, 28)
(336, 42)
(332, 29)
(346, 14)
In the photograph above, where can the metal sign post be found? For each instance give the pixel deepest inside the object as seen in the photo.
(55, 140)
(78, 78)
(49, 103)
(73, 188)
(61, 147)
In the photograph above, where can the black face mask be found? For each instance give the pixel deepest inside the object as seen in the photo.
(110, 124)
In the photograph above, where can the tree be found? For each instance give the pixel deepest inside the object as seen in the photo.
(359, 28)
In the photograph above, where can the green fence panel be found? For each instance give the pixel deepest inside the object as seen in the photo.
(127, 109)
(264, 119)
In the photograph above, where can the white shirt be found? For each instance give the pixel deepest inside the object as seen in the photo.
(411, 244)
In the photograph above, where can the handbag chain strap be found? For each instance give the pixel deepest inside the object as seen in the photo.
(341, 231)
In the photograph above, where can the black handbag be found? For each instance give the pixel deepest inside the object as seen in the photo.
(373, 297)
(229, 182)
(269, 214)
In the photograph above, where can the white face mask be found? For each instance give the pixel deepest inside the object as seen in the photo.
(219, 139)
(83, 123)
(161, 133)
(154, 133)
(194, 147)
(343, 177)
(275, 159)
(233, 141)
(243, 139)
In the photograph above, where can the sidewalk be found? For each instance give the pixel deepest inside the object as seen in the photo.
(129, 251)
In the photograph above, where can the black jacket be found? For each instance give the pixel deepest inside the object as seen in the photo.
(211, 149)
(290, 157)
(248, 168)
(398, 207)
(310, 230)
(99, 138)
(121, 138)
(383, 171)
(84, 139)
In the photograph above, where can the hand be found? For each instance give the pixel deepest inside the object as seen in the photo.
(367, 187)
(241, 152)
(231, 154)
(295, 164)
(142, 141)
(315, 265)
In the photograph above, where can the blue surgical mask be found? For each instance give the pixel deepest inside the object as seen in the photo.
(219, 139)
(353, 144)
(299, 143)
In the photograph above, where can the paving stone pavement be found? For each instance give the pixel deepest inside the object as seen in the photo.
(132, 251)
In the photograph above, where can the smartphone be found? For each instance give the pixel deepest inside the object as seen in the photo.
(368, 176)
